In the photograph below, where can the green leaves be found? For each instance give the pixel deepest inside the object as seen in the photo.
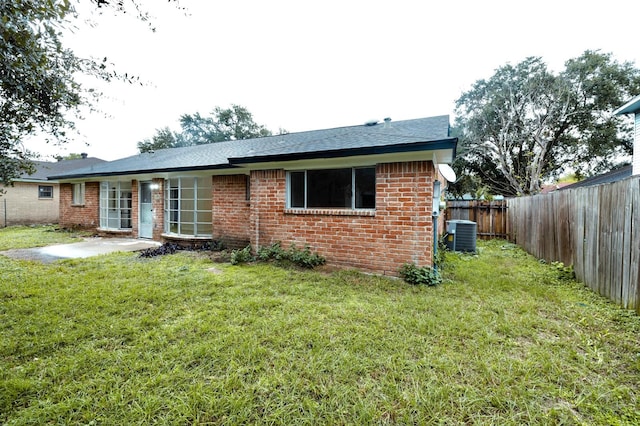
(224, 124)
(419, 275)
(526, 123)
(39, 92)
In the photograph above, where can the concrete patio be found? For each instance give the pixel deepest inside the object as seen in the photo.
(87, 248)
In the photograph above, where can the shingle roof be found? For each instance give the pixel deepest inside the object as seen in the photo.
(610, 177)
(45, 169)
(341, 141)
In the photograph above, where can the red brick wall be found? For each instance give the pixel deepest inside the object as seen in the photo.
(85, 216)
(135, 210)
(157, 199)
(399, 231)
(230, 210)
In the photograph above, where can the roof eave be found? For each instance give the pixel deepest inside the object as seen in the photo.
(630, 107)
(138, 172)
(448, 143)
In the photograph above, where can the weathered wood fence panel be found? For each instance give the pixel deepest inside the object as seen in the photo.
(490, 216)
(595, 229)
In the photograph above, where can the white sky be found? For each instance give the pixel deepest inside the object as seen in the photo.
(306, 65)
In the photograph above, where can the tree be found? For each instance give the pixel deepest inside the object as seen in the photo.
(164, 138)
(526, 124)
(197, 130)
(237, 123)
(224, 124)
(39, 92)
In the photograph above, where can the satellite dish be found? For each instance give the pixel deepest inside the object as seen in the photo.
(447, 172)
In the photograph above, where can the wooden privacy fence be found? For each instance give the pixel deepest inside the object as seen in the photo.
(595, 229)
(490, 216)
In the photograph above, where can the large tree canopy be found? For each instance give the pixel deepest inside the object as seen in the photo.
(224, 124)
(39, 92)
(526, 123)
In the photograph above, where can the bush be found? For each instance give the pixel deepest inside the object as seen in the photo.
(304, 257)
(272, 252)
(300, 257)
(419, 275)
(241, 256)
(441, 253)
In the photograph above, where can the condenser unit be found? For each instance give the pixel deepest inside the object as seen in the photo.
(461, 235)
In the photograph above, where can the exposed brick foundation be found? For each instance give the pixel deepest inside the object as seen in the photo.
(400, 230)
(231, 210)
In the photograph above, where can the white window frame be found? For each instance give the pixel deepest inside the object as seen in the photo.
(116, 204)
(77, 194)
(175, 210)
(353, 190)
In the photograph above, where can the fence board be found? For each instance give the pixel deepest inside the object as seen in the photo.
(578, 241)
(490, 216)
(633, 298)
(595, 229)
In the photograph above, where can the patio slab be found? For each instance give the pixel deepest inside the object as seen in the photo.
(87, 248)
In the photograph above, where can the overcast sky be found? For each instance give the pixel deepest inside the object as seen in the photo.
(306, 65)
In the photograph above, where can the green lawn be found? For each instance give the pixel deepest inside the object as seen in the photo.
(18, 237)
(119, 340)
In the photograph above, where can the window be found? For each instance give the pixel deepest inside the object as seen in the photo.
(353, 188)
(77, 194)
(45, 191)
(187, 206)
(115, 205)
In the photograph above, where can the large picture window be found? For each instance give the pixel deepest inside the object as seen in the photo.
(187, 206)
(352, 188)
(115, 205)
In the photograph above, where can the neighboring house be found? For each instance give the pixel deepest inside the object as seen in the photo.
(609, 177)
(553, 187)
(34, 199)
(633, 107)
(361, 195)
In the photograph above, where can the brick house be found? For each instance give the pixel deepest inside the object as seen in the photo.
(361, 196)
(33, 198)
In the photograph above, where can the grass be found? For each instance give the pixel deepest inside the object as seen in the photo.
(19, 237)
(118, 339)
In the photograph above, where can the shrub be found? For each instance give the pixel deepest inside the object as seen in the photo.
(300, 257)
(419, 275)
(441, 253)
(272, 252)
(241, 256)
(304, 257)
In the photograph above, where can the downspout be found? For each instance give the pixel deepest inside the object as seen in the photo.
(434, 218)
(254, 209)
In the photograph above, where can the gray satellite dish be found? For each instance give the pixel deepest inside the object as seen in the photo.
(447, 172)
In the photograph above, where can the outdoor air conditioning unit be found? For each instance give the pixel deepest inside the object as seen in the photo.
(461, 235)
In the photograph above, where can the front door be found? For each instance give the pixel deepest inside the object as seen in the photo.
(145, 229)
